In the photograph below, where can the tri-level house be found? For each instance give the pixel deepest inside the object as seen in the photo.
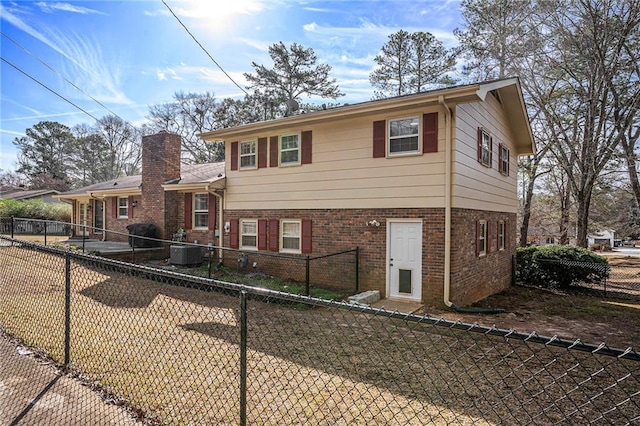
(424, 185)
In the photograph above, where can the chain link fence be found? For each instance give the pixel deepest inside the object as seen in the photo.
(178, 349)
(610, 280)
(300, 273)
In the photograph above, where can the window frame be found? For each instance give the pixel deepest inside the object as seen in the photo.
(253, 154)
(485, 136)
(504, 159)
(390, 138)
(501, 235)
(195, 213)
(281, 236)
(482, 238)
(242, 234)
(124, 206)
(298, 149)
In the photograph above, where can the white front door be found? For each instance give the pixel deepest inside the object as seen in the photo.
(404, 259)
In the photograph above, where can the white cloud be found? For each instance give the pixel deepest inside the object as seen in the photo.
(66, 7)
(168, 73)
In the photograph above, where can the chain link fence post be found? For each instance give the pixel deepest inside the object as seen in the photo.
(357, 270)
(67, 310)
(243, 358)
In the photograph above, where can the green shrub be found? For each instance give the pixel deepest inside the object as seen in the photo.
(559, 266)
(35, 209)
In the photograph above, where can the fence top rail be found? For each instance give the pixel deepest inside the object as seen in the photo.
(147, 271)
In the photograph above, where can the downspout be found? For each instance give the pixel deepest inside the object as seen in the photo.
(220, 218)
(447, 201)
(448, 129)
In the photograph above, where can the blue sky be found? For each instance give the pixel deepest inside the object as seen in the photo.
(129, 55)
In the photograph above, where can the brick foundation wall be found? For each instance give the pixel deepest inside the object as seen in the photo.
(472, 278)
(475, 277)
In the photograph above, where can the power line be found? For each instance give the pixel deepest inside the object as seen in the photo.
(198, 175)
(203, 49)
(58, 73)
(47, 87)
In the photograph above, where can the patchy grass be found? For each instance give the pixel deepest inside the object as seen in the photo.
(255, 279)
(174, 352)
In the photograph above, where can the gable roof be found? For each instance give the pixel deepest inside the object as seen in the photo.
(121, 185)
(198, 176)
(27, 195)
(509, 91)
(192, 176)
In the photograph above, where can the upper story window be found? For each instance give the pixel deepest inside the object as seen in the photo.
(248, 155)
(485, 147)
(201, 210)
(290, 236)
(404, 136)
(289, 150)
(249, 234)
(503, 162)
(482, 238)
(123, 207)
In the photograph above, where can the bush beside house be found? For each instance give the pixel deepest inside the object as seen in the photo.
(35, 209)
(558, 266)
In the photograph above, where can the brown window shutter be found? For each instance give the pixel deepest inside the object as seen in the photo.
(306, 147)
(274, 235)
(306, 235)
(273, 151)
(480, 144)
(500, 158)
(262, 234)
(497, 235)
(188, 209)
(430, 132)
(379, 138)
(262, 153)
(212, 212)
(234, 155)
(233, 233)
(114, 207)
(130, 206)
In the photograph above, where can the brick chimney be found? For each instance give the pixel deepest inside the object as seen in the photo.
(160, 163)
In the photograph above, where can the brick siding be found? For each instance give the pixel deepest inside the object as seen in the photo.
(473, 278)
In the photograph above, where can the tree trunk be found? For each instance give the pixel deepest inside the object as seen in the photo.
(632, 169)
(583, 199)
(526, 213)
(565, 200)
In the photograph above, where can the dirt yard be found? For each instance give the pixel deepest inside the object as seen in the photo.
(590, 318)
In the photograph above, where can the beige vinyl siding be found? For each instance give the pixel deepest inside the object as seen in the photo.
(476, 186)
(343, 173)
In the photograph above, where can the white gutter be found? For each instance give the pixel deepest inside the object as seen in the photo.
(447, 200)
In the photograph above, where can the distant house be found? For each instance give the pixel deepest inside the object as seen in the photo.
(424, 185)
(603, 237)
(46, 195)
(167, 194)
